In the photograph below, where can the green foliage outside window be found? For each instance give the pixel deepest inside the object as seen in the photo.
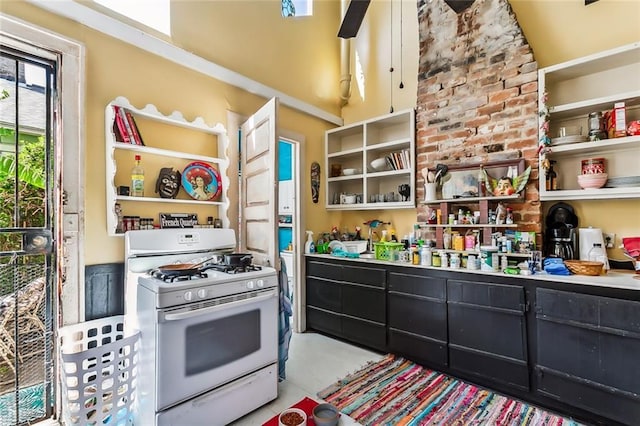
(30, 187)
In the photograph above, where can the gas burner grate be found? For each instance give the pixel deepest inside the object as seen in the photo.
(228, 269)
(176, 277)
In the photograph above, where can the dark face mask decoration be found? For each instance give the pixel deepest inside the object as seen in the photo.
(168, 183)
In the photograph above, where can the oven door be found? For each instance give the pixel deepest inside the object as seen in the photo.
(204, 345)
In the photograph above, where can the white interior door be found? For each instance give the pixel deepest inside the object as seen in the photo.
(259, 188)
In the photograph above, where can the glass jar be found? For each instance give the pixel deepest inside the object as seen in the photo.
(425, 256)
(435, 260)
(444, 260)
(455, 261)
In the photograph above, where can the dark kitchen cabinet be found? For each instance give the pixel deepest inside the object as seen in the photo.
(348, 301)
(417, 317)
(487, 331)
(588, 352)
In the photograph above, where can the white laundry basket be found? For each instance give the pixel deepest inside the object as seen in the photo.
(99, 372)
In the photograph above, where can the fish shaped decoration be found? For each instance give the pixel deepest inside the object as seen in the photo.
(506, 185)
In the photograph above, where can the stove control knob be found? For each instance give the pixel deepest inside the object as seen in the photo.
(250, 285)
(260, 283)
(202, 293)
(188, 296)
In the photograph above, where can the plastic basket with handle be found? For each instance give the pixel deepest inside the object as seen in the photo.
(383, 249)
(99, 372)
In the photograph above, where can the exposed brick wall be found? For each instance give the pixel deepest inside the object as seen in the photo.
(477, 94)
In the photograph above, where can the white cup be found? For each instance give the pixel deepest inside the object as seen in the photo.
(429, 191)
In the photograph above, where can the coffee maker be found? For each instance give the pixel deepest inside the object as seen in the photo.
(560, 242)
(560, 235)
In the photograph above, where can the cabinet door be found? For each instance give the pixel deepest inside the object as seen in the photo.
(364, 305)
(487, 331)
(418, 318)
(587, 352)
(285, 196)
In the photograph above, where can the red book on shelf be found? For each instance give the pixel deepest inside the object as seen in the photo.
(124, 136)
(134, 128)
(123, 118)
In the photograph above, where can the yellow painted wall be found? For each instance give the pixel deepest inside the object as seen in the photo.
(116, 69)
(300, 57)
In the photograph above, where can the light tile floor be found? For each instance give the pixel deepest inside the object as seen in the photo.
(315, 361)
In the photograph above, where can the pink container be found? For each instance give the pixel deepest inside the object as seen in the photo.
(469, 242)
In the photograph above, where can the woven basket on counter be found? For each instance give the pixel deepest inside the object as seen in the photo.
(584, 267)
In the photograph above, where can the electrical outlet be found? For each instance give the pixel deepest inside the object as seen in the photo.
(609, 240)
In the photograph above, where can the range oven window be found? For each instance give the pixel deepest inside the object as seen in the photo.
(218, 342)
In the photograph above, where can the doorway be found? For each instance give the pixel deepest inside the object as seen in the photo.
(54, 248)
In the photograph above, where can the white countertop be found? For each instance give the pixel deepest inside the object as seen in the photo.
(622, 279)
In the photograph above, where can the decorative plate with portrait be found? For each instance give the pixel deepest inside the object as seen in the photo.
(201, 181)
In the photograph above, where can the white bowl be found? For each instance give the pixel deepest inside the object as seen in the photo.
(379, 164)
(349, 172)
(289, 411)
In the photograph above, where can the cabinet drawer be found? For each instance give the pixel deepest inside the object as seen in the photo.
(326, 270)
(368, 333)
(510, 372)
(598, 311)
(486, 294)
(319, 319)
(418, 348)
(418, 315)
(434, 288)
(623, 408)
(376, 277)
(488, 331)
(324, 294)
(364, 302)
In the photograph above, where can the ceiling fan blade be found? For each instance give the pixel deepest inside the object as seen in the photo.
(353, 18)
(459, 5)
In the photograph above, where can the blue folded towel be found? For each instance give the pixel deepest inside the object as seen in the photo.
(555, 266)
(338, 252)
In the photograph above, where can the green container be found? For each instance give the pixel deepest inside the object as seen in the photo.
(384, 249)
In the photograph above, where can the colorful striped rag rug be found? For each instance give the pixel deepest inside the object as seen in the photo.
(395, 391)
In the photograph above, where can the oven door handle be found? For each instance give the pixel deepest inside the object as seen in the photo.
(191, 314)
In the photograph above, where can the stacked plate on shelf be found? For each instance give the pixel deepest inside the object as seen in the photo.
(623, 181)
(569, 139)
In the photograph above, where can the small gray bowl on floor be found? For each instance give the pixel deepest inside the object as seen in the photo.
(326, 415)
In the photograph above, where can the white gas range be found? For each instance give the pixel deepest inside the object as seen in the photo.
(209, 337)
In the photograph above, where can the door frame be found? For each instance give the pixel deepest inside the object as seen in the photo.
(68, 159)
(234, 122)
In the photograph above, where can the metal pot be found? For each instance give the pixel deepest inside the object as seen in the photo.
(238, 259)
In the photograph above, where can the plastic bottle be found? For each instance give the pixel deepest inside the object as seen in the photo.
(137, 179)
(425, 256)
(597, 254)
(309, 246)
